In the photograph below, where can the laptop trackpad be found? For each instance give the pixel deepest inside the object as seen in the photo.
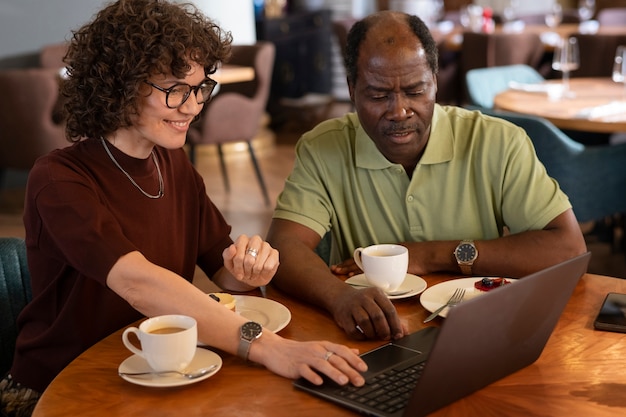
(411, 347)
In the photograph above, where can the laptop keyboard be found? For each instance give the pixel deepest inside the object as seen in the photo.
(387, 392)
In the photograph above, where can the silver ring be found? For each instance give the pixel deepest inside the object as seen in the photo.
(328, 355)
(252, 252)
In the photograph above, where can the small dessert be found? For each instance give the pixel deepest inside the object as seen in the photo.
(488, 284)
(225, 299)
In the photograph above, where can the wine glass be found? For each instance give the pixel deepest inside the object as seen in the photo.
(554, 15)
(586, 9)
(619, 67)
(566, 58)
(509, 13)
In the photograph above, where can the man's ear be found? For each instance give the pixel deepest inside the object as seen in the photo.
(350, 90)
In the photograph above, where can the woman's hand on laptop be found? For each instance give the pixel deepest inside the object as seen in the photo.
(293, 359)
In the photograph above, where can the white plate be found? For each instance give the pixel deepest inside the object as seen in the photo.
(202, 359)
(412, 283)
(439, 294)
(268, 313)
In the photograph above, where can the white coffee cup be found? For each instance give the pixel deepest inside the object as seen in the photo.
(385, 266)
(168, 343)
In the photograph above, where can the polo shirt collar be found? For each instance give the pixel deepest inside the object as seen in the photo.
(439, 150)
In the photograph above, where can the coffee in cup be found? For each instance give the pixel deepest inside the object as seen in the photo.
(168, 343)
(385, 266)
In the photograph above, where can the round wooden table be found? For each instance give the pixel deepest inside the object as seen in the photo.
(580, 373)
(598, 105)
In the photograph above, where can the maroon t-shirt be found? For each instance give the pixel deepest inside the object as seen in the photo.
(81, 215)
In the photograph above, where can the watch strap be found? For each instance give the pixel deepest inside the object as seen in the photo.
(243, 350)
(466, 269)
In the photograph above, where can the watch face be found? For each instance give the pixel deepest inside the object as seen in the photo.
(466, 252)
(251, 330)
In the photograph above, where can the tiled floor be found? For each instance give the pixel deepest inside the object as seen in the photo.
(243, 207)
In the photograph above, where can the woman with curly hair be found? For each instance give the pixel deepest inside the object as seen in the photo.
(116, 222)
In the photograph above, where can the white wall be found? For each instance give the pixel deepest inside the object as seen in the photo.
(27, 25)
(237, 16)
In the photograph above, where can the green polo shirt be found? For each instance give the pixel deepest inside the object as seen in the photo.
(477, 175)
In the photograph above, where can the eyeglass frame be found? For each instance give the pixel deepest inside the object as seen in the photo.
(194, 88)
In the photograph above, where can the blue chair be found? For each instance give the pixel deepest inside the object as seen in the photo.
(483, 84)
(593, 177)
(15, 292)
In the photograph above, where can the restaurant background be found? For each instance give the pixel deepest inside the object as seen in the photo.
(28, 25)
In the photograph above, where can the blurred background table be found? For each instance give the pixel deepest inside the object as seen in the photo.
(229, 74)
(598, 105)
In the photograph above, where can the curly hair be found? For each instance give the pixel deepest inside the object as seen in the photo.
(359, 30)
(127, 42)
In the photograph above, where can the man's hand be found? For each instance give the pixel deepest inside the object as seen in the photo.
(367, 313)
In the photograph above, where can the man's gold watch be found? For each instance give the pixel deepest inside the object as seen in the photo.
(465, 254)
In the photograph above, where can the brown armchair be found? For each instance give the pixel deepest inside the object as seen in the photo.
(27, 128)
(481, 50)
(597, 52)
(51, 55)
(235, 113)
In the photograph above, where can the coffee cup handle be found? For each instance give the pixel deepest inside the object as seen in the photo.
(357, 257)
(128, 343)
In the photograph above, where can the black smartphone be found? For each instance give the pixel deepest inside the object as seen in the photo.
(612, 315)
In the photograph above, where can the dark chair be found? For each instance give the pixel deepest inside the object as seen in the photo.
(612, 16)
(15, 293)
(483, 84)
(489, 50)
(569, 16)
(28, 128)
(597, 52)
(482, 50)
(593, 177)
(236, 112)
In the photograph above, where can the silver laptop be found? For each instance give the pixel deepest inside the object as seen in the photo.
(481, 341)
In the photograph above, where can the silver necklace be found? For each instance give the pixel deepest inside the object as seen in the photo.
(156, 163)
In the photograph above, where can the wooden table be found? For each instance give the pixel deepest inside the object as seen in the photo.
(580, 373)
(229, 74)
(565, 113)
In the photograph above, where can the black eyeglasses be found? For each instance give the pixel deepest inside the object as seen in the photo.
(176, 95)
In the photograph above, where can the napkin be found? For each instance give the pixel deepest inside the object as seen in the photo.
(611, 109)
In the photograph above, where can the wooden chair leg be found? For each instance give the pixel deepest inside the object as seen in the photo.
(259, 175)
(220, 152)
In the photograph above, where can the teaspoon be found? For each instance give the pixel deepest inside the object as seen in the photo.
(392, 293)
(189, 375)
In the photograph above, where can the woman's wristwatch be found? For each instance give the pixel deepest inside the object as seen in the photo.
(250, 331)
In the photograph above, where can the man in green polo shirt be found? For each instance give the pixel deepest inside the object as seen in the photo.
(403, 169)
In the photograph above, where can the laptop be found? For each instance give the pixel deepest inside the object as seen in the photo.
(481, 341)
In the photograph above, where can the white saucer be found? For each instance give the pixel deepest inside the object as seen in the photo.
(268, 313)
(412, 283)
(439, 294)
(202, 359)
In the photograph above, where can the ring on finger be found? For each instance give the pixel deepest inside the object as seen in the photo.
(252, 252)
(328, 355)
